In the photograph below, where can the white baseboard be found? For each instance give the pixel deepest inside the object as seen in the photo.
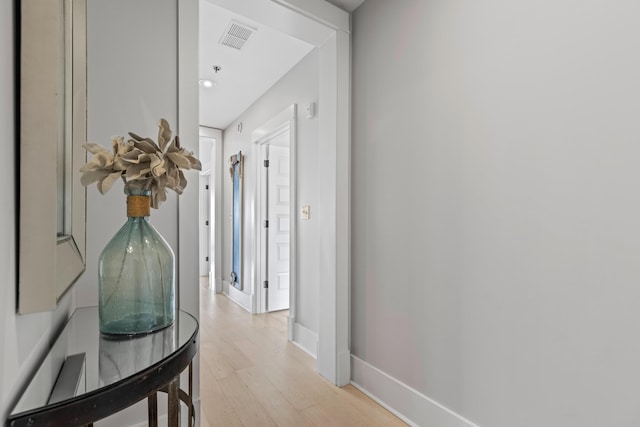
(305, 339)
(408, 404)
(239, 297)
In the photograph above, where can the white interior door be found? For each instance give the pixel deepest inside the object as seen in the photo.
(278, 216)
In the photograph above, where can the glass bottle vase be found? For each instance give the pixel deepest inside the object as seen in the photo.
(136, 275)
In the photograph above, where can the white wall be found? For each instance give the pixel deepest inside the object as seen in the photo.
(299, 86)
(495, 207)
(23, 339)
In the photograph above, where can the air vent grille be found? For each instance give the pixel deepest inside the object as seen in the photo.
(236, 35)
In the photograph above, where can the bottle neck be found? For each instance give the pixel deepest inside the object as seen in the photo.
(138, 206)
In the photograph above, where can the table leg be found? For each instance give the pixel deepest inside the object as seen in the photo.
(191, 422)
(153, 410)
(173, 402)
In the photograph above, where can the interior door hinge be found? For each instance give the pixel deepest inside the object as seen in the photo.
(266, 163)
(206, 223)
(265, 284)
(266, 223)
(207, 259)
(206, 187)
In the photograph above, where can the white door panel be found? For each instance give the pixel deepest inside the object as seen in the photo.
(278, 234)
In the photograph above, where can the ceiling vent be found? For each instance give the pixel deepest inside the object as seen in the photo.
(236, 35)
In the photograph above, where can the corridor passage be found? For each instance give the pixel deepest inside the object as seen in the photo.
(252, 376)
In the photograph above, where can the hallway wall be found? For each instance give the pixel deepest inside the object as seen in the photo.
(132, 83)
(299, 86)
(130, 87)
(496, 232)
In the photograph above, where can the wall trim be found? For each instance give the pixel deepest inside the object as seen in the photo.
(334, 209)
(323, 12)
(239, 297)
(304, 338)
(406, 403)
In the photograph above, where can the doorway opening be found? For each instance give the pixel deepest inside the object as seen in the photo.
(327, 28)
(210, 213)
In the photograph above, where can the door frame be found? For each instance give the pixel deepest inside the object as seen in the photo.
(328, 28)
(259, 137)
(205, 232)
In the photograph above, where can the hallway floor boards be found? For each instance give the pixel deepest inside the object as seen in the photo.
(252, 376)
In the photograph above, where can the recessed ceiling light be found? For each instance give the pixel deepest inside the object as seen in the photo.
(206, 83)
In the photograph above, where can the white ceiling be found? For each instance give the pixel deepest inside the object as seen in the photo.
(248, 73)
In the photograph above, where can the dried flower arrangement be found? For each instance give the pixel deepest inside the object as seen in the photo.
(141, 163)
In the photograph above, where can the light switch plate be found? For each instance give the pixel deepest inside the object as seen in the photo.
(305, 213)
(310, 110)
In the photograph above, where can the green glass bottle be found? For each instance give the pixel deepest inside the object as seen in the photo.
(136, 275)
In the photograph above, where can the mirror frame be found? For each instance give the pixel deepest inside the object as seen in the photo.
(236, 170)
(53, 104)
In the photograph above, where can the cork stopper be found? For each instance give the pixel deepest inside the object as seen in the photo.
(138, 206)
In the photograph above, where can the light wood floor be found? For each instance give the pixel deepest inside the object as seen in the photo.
(252, 376)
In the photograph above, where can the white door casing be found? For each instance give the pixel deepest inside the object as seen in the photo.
(205, 215)
(215, 170)
(205, 224)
